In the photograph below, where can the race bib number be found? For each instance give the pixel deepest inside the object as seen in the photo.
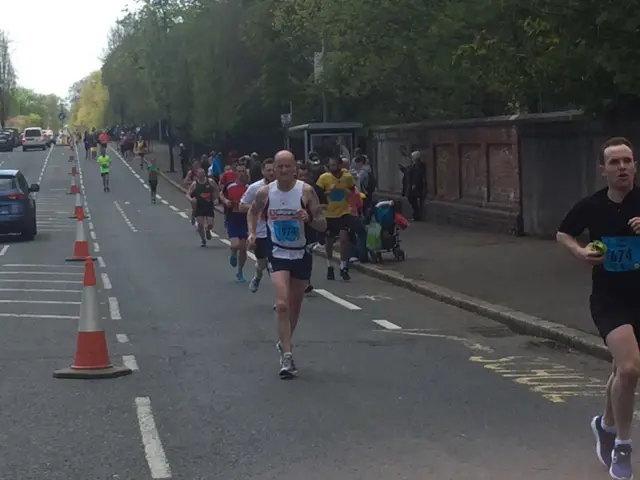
(206, 196)
(623, 254)
(336, 195)
(286, 231)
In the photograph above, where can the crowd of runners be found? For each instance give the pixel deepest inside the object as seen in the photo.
(294, 205)
(281, 208)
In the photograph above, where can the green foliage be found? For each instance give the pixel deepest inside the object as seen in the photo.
(90, 107)
(27, 103)
(7, 78)
(228, 68)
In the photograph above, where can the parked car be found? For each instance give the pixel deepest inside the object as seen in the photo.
(15, 135)
(6, 141)
(33, 139)
(17, 204)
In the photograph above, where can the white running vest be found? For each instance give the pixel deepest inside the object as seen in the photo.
(287, 232)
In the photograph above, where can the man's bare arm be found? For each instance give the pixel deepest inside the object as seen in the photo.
(318, 221)
(216, 189)
(192, 187)
(256, 209)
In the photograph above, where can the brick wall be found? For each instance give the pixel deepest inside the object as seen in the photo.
(472, 170)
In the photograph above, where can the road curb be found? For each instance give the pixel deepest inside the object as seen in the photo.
(172, 182)
(517, 321)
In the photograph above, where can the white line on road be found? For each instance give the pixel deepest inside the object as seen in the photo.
(4, 249)
(153, 450)
(101, 262)
(387, 324)
(122, 337)
(159, 197)
(93, 235)
(225, 241)
(44, 167)
(252, 256)
(336, 299)
(114, 309)
(41, 290)
(39, 265)
(183, 215)
(130, 362)
(3, 272)
(164, 201)
(90, 225)
(173, 208)
(96, 247)
(45, 302)
(124, 215)
(106, 282)
(33, 315)
(21, 280)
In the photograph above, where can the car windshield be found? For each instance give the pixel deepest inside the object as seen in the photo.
(32, 133)
(7, 183)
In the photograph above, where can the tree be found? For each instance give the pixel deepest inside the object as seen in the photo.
(90, 106)
(7, 78)
(222, 72)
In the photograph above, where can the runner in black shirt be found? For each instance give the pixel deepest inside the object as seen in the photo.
(612, 216)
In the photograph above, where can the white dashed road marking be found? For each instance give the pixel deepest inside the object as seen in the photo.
(154, 452)
(106, 282)
(130, 362)
(336, 299)
(387, 324)
(124, 215)
(114, 309)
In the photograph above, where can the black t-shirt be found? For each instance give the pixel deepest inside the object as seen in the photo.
(603, 217)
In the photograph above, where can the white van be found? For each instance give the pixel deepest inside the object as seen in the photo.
(33, 139)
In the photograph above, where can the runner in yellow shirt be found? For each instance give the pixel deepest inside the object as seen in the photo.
(105, 164)
(337, 184)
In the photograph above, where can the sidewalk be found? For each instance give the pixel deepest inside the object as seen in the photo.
(525, 283)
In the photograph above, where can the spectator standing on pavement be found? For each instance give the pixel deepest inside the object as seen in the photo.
(612, 217)
(184, 160)
(215, 170)
(365, 181)
(414, 184)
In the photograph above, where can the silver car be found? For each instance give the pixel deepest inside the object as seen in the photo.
(33, 138)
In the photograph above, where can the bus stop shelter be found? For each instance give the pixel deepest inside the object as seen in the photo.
(325, 139)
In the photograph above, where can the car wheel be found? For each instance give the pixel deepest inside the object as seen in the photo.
(27, 236)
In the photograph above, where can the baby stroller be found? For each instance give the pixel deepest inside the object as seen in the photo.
(383, 231)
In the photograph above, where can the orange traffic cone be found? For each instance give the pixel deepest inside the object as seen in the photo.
(73, 189)
(78, 212)
(80, 246)
(92, 356)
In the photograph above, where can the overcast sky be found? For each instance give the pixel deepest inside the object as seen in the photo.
(56, 43)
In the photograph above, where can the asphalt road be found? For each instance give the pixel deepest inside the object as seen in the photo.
(392, 385)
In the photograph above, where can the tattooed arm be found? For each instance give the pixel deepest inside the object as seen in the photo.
(310, 199)
(257, 207)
